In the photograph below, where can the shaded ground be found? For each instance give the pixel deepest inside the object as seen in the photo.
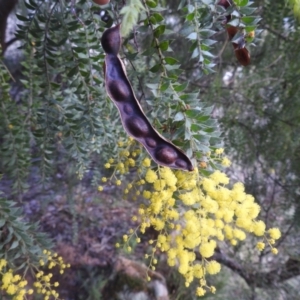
(85, 226)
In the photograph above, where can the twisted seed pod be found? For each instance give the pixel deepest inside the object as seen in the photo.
(136, 124)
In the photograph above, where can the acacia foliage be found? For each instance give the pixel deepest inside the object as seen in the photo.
(259, 112)
(64, 107)
(64, 114)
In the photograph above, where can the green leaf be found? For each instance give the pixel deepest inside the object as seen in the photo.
(192, 113)
(14, 245)
(247, 10)
(158, 17)
(250, 28)
(151, 3)
(180, 87)
(158, 31)
(152, 20)
(190, 17)
(207, 33)
(164, 45)
(208, 42)
(156, 68)
(73, 71)
(171, 60)
(241, 2)
(22, 18)
(250, 20)
(29, 6)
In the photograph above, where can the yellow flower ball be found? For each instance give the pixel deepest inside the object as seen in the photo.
(11, 289)
(219, 177)
(260, 246)
(226, 162)
(274, 233)
(206, 250)
(146, 162)
(259, 228)
(199, 271)
(151, 176)
(200, 291)
(159, 184)
(213, 267)
(219, 151)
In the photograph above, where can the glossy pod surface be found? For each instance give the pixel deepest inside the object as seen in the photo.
(133, 118)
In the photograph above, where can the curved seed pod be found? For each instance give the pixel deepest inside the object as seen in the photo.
(133, 118)
(118, 89)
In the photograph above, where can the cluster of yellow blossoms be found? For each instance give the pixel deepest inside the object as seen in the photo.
(13, 284)
(121, 165)
(17, 287)
(43, 283)
(192, 214)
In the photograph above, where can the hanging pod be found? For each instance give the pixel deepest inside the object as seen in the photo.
(135, 122)
(241, 52)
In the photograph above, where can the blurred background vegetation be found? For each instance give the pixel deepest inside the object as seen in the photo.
(58, 128)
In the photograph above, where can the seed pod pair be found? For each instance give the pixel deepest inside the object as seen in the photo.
(241, 52)
(132, 116)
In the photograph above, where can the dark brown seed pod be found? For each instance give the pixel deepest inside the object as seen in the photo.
(111, 40)
(119, 90)
(166, 154)
(133, 118)
(137, 127)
